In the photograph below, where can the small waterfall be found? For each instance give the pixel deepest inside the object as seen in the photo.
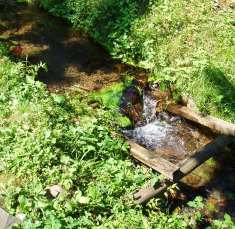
(149, 108)
(160, 133)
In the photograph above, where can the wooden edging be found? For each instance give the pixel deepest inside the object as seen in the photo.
(152, 160)
(173, 172)
(215, 124)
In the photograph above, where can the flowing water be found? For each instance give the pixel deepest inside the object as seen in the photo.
(167, 135)
(175, 139)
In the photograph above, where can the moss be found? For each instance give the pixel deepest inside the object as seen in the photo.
(110, 97)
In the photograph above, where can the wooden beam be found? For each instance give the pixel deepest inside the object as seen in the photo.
(173, 172)
(215, 124)
(152, 160)
(201, 156)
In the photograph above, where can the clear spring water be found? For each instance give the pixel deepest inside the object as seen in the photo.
(163, 133)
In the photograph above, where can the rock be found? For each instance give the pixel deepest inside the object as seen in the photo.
(232, 4)
(55, 190)
(131, 103)
(132, 98)
(6, 220)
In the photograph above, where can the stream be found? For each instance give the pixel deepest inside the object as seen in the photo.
(74, 60)
(169, 136)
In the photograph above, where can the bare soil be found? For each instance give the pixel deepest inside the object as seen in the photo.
(72, 58)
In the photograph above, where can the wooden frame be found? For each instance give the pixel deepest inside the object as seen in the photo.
(172, 172)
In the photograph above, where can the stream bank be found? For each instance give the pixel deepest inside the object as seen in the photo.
(75, 61)
(72, 58)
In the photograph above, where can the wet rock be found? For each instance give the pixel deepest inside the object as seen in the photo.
(163, 116)
(131, 103)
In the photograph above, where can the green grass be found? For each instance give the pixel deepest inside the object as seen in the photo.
(48, 139)
(44, 141)
(188, 45)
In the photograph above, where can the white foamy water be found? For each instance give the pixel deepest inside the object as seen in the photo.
(149, 108)
(157, 133)
(151, 134)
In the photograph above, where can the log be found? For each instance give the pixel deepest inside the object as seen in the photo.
(145, 194)
(215, 124)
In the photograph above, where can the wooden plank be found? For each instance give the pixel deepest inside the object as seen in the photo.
(215, 124)
(209, 150)
(152, 160)
(146, 193)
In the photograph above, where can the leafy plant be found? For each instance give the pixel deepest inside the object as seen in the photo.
(182, 42)
(44, 141)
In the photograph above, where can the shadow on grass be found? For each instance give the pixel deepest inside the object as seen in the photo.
(71, 55)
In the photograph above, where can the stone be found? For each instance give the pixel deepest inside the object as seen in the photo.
(6, 220)
(55, 190)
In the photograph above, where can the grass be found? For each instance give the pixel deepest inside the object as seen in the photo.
(188, 45)
(45, 141)
(48, 139)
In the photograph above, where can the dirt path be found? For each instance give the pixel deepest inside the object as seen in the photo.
(72, 58)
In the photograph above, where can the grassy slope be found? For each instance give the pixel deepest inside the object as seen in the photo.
(187, 44)
(42, 143)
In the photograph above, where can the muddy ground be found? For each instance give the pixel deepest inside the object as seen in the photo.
(72, 58)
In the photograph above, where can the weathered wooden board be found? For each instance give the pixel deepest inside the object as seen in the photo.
(215, 124)
(173, 172)
(202, 155)
(152, 160)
